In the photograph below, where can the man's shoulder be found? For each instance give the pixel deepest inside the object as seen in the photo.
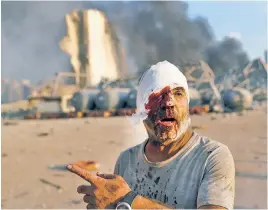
(210, 145)
(215, 155)
(218, 174)
(131, 151)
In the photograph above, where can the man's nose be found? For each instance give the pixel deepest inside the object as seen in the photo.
(168, 101)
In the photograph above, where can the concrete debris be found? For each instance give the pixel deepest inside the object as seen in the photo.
(58, 175)
(76, 201)
(213, 118)
(21, 194)
(42, 134)
(199, 127)
(4, 155)
(240, 113)
(58, 187)
(10, 123)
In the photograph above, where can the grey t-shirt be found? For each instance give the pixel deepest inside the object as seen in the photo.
(201, 173)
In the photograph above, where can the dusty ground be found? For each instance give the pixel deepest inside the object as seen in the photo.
(29, 147)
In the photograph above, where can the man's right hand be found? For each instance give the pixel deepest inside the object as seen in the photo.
(105, 190)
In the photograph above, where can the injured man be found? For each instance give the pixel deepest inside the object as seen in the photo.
(174, 167)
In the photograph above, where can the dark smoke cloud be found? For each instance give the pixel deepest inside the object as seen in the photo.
(149, 32)
(157, 31)
(226, 55)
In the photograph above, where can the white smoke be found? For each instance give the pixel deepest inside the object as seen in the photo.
(31, 32)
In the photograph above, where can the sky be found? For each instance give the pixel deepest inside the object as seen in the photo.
(245, 20)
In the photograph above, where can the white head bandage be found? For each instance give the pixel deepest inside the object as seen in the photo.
(156, 78)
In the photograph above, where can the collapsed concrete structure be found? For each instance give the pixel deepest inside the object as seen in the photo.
(93, 47)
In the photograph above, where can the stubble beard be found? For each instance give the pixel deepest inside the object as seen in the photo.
(183, 127)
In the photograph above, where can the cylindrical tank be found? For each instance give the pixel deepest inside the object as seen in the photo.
(131, 99)
(195, 97)
(237, 98)
(206, 97)
(84, 99)
(112, 98)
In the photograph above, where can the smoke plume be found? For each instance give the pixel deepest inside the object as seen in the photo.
(149, 32)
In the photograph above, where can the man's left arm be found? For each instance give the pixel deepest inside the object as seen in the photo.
(217, 186)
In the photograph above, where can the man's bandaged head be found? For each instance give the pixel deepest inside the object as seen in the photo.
(156, 78)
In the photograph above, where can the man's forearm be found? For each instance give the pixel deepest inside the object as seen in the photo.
(141, 202)
(145, 203)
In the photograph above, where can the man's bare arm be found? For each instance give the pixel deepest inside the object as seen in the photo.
(141, 202)
(145, 203)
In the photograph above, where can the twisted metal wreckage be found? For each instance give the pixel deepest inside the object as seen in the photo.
(85, 92)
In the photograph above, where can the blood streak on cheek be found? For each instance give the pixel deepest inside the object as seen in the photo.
(155, 99)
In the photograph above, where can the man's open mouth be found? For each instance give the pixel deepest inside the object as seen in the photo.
(167, 121)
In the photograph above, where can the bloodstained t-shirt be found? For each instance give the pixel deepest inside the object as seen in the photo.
(201, 173)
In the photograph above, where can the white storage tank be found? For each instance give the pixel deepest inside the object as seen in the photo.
(84, 100)
(112, 98)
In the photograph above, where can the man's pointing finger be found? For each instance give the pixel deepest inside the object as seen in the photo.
(92, 179)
